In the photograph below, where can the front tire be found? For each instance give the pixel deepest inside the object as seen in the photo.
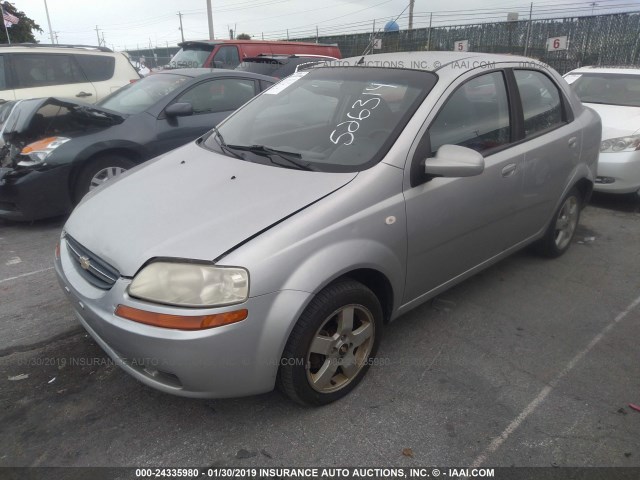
(99, 171)
(331, 346)
(562, 229)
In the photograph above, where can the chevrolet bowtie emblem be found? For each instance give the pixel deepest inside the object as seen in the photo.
(85, 263)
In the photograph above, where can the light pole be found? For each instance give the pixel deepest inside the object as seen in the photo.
(210, 19)
(46, 9)
(181, 30)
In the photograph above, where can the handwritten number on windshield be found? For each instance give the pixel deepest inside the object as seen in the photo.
(344, 131)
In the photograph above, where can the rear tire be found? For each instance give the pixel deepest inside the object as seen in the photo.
(332, 345)
(99, 171)
(557, 239)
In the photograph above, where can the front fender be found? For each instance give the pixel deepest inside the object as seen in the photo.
(338, 259)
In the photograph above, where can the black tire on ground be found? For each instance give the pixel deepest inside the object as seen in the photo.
(95, 166)
(557, 240)
(326, 317)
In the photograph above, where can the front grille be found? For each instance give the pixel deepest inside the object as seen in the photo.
(94, 270)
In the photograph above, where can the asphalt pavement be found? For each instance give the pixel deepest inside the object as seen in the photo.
(533, 362)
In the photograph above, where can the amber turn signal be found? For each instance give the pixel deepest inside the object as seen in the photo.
(39, 145)
(181, 322)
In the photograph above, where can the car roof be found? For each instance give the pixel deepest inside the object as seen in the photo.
(621, 70)
(212, 72)
(436, 61)
(285, 59)
(189, 43)
(293, 55)
(448, 65)
(54, 48)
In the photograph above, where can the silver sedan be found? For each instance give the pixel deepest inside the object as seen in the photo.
(272, 250)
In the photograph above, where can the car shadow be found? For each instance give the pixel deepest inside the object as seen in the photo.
(628, 203)
(39, 225)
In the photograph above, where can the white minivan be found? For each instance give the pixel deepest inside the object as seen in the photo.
(71, 71)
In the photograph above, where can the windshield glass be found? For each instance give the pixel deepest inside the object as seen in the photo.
(191, 57)
(608, 88)
(138, 96)
(331, 119)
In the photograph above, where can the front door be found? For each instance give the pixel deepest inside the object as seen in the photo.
(455, 224)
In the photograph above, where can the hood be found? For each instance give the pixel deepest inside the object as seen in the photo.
(191, 203)
(617, 121)
(25, 123)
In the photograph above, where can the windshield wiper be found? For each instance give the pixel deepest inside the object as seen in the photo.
(268, 152)
(223, 144)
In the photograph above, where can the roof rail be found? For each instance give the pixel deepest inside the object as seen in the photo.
(57, 45)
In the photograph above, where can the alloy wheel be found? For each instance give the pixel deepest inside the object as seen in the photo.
(566, 222)
(340, 348)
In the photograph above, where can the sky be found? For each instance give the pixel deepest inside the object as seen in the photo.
(129, 24)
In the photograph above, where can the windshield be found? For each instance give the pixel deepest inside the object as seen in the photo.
(191, 57)
(332, 119)
(138, 96)
(608, 88)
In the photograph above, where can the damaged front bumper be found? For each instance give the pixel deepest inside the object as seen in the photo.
(30, 194)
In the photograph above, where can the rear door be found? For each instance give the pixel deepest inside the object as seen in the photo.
(100, 71)
(50, 75)
(552, 140)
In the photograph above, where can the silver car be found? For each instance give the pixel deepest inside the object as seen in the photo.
(272, 250)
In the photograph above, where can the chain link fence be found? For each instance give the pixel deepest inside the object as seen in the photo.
(591, 40)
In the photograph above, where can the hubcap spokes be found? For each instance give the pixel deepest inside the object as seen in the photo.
(566, 222)
(340, 348)
(105, 175)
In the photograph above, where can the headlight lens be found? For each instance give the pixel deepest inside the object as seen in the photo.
(40, 150)
(621, 144)
(191, 284)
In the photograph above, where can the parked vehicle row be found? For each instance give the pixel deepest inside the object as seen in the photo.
(273, 249)
(61, 149)
(230, 53)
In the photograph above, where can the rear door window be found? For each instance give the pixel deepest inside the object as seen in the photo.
(97, 68)
(541, 102)
(37, 70)
(3, 78)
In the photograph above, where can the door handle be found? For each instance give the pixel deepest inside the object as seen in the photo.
(509, 170)
(84, 94)
(573, 142)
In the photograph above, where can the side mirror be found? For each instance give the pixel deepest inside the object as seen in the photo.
(454, 161)
(179, 110)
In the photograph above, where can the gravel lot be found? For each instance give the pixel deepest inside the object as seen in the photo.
(531, 363)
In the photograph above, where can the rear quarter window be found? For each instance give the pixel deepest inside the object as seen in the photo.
(97, 68)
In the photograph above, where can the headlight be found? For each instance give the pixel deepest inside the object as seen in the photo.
(621, 144)
(40, 150)
(191, 284)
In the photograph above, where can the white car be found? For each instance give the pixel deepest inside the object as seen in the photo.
(70, 71)
(615, 94)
